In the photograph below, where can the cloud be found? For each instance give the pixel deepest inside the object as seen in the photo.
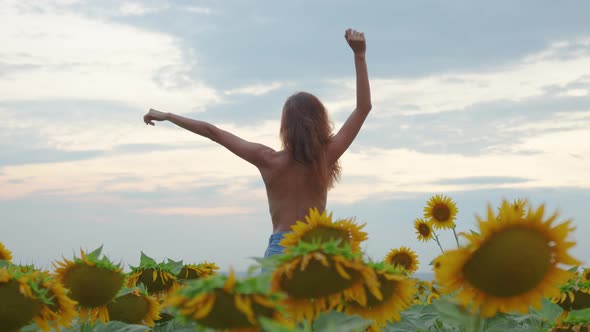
(438, 93)
(406, 170)
(95, 60)
(256, 89)
(437, 118)
(194, 163)
(198, 10)
(561, 121)
(199, 211)
(478, 129)
(541, 97)
(36, 156)
(484, 180)
(138, 9)
(170, 169)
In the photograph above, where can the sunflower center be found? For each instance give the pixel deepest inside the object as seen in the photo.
(402, 259)
(441, 212)
(92, 286)
(4, 255)
(424, 230)
(387, 288)
(159, 284)
(323, 234)
(510, 263)
(225, 314)
(16, 310)
(130, 309)
(187, 273)
(581, 301)
(317, 280)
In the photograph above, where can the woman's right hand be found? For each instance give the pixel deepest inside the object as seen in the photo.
(154, 115)
(356, 41)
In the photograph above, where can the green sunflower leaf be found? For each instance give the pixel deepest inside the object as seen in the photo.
(574, 269)
(337, 321)
(549, 311)
(579, 316)
(95, 254)
(451, 314)
(174, 266)
(116, 326)
(124, 291)
(146, 260)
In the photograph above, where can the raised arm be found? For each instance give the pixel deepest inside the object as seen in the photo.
(257, 154)
(342, 140)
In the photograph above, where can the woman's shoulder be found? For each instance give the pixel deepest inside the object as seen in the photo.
(282, 162)
(281, 157)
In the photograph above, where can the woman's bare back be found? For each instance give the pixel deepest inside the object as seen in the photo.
(291, 190)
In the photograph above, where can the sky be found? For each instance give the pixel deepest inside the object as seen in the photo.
(478, 101)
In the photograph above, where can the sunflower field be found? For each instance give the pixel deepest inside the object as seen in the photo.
(512, 273)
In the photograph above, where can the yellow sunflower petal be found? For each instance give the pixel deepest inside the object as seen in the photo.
(230, 281)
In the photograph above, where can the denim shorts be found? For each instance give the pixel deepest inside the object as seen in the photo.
(273, 244)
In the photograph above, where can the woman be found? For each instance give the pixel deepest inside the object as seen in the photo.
(297, 177)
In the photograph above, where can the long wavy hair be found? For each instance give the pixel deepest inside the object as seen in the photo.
(305, 132)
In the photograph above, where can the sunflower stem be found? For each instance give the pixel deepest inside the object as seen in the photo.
(456, 238)
(477, 326)
(437, 241)
(85, 327)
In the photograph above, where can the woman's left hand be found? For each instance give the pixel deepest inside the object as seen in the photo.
(154, 115)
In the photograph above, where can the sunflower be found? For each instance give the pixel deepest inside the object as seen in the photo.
(403, 257)
(317, 276)
(192, 271)
(586, 275)
(511, 265)
(158, 278)
(5, 254)
(575, 294)
(397, 292)
(222, 302)
(33, 296)
(441, 211)
(135, 307)
(426, 292)
(62, 309)
(423, 229)
(575, 300)
(421, 293)
(92, 282)
(19, 304)
(320, 227)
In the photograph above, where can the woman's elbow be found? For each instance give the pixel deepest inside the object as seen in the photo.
(366, 107)
(212, 132)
